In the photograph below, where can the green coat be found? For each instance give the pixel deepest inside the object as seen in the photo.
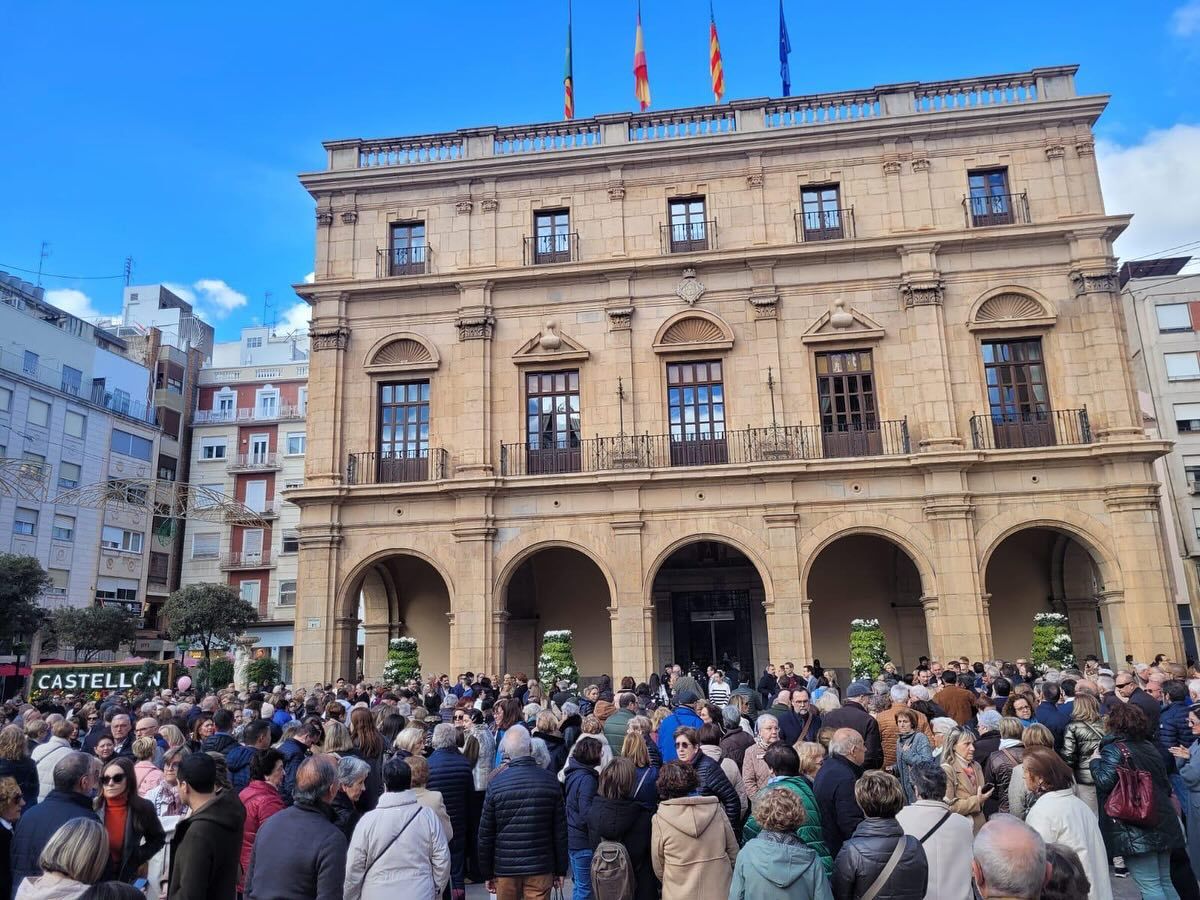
(614, 729)
(768, 868)
(810, 832)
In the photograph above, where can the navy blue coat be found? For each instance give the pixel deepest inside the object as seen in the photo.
(237, 761)
(523, 828)
(582, 783)
(1173, 729)
(1055, 719)
(37, 826)
(452, 776)
(840, 813)
(294, 753)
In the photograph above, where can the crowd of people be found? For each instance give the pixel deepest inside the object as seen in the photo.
(954, 781)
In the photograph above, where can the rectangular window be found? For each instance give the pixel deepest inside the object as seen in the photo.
(287, 593)
(68, 475)
(5, 399)
(696, 413)
(291, 543)
(1018, 400)
(1196, 521)
(160, 564)
(252, 544)
(990, 202)
(25, 521)
(821, 213)
(250, 592)
(167, 467)
(74, 424)
(39, 412)
(268, 404)
(688, 228)
(293, 483)
(406, 254)
(60, 580)
(253, 343)
(1187, 416)
(63, 529)
(212, 448)
(295, 443)
(224, 404)
(121, 402)
(112, 538)
(551, 236)
(1173, 317)
(1182, 365)
(122, 592)
(71, 380)
(206, 544)
(552, 425)
(1191, 469)
(403, 431)
(131, 445)
(846, 398)
(302, 401)
(31, 363)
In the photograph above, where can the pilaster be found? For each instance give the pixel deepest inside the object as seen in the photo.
(789, 635)
(922, 295)
(317, 653)
(956, 616)
(473, 398)
(477, 629)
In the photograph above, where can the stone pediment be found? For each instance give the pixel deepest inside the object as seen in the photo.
(550, 346)
(402, 352)
(1008, 308)
(842, 323)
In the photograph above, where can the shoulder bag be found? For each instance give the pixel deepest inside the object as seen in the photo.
(390, 843)
(881, 881)
(939, 824)
(1132, 798)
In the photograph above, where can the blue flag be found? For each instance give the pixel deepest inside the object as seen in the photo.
(785, 47)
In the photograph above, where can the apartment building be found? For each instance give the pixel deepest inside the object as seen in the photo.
(706, 384)
(74, 415)
(1162, 307)
(248, 442)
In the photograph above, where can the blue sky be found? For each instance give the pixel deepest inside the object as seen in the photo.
(173, 132)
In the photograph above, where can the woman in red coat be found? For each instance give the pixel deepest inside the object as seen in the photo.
(261, 799)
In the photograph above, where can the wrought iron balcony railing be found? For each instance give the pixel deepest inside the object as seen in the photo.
(690, 237)
(1048, 428)
(825, 225)
(542, 249)
(391, 262)
(374, 467)
(996, 209)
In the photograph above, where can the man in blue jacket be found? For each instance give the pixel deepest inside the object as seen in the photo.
(684, 715)
(1048, 714)
(451, 775)
(76, 777)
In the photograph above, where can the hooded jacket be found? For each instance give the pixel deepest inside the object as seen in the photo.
(779, 866)
(683, 715)
(203, 849)
(810, 832)
(237, 761)
(863, 858)
(627, 822)
(380, 868)
(581, 783)
(692, 848)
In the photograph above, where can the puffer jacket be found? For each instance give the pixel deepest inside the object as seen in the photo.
(294, 753)
(778, 866)
(999, 771)
(237, 760)
(523, 828)
(557, 747)
(810, 832)
(1173, 730)
(581, 785)
(1124, 838)
(46, 756)
(450, 775)
(218, 742)
(1079, 743)
(713, 783)
(864, 856)
(25, 774)
(627, 822)
(261, 801)
(383, 863)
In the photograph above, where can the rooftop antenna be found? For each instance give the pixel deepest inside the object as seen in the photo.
(42, 255)
(268, 305)
(128, 270)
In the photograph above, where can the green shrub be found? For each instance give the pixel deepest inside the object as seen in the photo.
(1051, 641)
(868, 650)
(263, 671)
(403, 661)
(557, 660)
(217, 675)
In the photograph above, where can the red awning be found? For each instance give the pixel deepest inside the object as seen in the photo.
(8, 669)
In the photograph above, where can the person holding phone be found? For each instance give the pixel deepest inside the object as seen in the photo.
(966, 790)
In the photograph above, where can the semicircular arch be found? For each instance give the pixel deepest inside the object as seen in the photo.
(1080, 526)
(897, 531)
(347, 600)
(744, 543)
(402, 350)
(706, 328)
(1009, 302)
(529, 547)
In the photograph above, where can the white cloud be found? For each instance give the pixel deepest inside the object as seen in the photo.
(1185, 21)
(310, 277)
(1158, 180)
(211, 297)
(295, 318)
(77, 303)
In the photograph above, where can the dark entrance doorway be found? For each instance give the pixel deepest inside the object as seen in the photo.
(713, 626)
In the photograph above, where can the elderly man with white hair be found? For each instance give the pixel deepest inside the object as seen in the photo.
(899, 695)
(1009, 860)
(451, 774)
(834, 788)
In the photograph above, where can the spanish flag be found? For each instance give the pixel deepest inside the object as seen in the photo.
(568, 76)
(716, 70)
(641, 74)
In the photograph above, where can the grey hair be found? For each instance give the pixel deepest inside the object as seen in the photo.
(516, 743)
(847, 743)
(991, 671)
(730, 716)
(758, 723)
(1107, 684)
(290, 729)
(531, 710)
(899, 693)
(314, 778)
(929, 780)
(919, 692)
(72, 767)
(540, 752)
(1012, 857)
(1193, 687)
(351, 769)
(943, 725)
(570, 709)
(445, 736)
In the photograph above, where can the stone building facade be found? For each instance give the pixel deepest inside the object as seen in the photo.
(706, 384)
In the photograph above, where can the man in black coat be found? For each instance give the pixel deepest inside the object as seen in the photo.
(208, 842)
(834, 788)
(296, 750)
(523, 829)
(76, 775)
(451, 775)
(853, 715)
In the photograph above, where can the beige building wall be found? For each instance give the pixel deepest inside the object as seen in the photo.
(918, 281)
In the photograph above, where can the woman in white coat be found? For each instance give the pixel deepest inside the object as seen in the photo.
(1062, 818)
(399, 848)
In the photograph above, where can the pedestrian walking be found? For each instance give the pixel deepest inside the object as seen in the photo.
(692, 845)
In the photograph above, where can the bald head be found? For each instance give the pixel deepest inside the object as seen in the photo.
(784, 698)
(848, 743)
(1010, 859)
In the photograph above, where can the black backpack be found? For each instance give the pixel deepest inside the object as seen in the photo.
(612, 873)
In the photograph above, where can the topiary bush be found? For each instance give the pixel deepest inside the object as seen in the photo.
(218, 675)
(403, 662)
(1052, 641)
(557, 660)
(868, 649)
(263, 671)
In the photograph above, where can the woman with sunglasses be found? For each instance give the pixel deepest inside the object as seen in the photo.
(134, 832)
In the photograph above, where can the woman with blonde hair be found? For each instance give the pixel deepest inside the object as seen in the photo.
(1019, 799)
(645, 773)
(16, 764)
(410, 742)
(73, 859)
(965, 788)
(337, 738)
(1082, 739)
(149, 776)
(172, 735)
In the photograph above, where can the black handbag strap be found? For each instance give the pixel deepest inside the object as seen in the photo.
(940, 823)
(390, 843)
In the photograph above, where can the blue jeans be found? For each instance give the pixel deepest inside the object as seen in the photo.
(1152, 872)
(581, 873)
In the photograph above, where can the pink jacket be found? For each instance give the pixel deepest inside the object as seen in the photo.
(149, 776)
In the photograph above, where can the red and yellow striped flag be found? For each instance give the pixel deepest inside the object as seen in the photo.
(714, 58)
(569, 76)
(641, 73)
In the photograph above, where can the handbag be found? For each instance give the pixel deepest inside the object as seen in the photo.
(881, 881)
(1132, 798)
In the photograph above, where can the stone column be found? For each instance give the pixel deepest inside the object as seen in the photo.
(316, 652)
(921, 295)
(758, 206)
(477, 629)
(787, 609)
(764, 301)
(960, 625)
(1085, 631)
(619, 311)
(632, 621)
(375, 648)
(1116, 629)
(345, 648)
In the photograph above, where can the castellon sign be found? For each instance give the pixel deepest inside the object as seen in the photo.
(93, 678)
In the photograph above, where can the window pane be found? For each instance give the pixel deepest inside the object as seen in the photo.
(1173, 317)
(1182, 365)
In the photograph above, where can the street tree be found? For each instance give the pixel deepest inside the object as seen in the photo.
(22, 582)
(94, 630)
(211, 615)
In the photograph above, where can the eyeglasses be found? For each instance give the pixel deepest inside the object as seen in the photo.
(1123, 684)
(679, 744)
(119, 778)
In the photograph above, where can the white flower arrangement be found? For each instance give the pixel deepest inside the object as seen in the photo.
(1050, 619)
(864, 623)
(560, 635)
(403, 643)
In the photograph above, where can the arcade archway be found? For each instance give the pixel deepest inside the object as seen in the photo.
(403, 596)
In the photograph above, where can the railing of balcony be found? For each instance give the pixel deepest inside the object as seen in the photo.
(561, 247)
(68, 382)
(1048, 428)
(689, 237)
(825, 225)
(243, 560)
(996, 209)
(254, 461)
(374, 467)
(749, 445)
(391, 262)
(253, 414)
